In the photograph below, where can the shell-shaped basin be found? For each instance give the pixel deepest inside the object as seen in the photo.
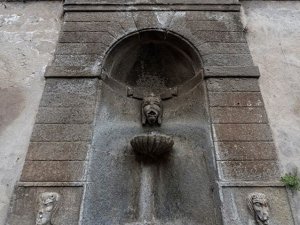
(152, 144)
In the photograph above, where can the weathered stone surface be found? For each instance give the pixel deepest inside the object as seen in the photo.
(73, 71)
(227, 60)
(245, 151)
(67, 100)
(86, 86)
(236, 211)
(242, 132)
(219, 25)
(232, 84)
(53, 171)
(81, 48)
(147, 19)
(57, 151)
(238, 115)
(122, 19)
(248, 170)
(24, 205)
(231, 71)
(61, 132)
(86, 37)
(217, 36)
(224, 48)
(77, 60)
(115, 29)
(249, 99)
(65, 115)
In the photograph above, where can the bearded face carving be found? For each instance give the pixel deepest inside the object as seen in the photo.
(151, 110)
(259, 206)
(47, 206)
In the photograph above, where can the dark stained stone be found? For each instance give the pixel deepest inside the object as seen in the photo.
(245, 151)
(61, 132)
(249, 99)
(248, 170)
(57, 151)
(242, 132)
(238, 115)
(53, 171)
(227, 60)
(65, 115)
(232, 85)
(231, 71)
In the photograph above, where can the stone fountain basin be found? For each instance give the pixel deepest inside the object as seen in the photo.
(152, 145)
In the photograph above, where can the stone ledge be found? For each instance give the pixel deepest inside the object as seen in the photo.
(50, 184)
(158, 7)
(250, 184)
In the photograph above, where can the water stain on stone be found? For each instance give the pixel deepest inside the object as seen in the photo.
(12, 103)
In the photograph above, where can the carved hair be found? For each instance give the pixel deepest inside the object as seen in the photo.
(256, 196)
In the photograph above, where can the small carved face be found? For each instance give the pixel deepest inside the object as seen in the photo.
(151, 110)
(47, 205)
(258, 204)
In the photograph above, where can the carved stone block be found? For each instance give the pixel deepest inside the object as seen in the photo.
(236, 209)
(28, 202)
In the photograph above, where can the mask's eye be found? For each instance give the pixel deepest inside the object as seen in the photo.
(257, 204)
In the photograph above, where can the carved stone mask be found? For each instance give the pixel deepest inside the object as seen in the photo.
(259, 206)
(151, 110)
(46, 207)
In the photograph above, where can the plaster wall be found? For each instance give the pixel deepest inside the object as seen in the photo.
(28, 36)
(273, 35)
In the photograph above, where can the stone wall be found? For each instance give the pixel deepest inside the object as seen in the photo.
(273, 37)
(28, 36)
(30, 32)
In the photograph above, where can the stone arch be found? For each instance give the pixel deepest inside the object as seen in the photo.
(159, 54)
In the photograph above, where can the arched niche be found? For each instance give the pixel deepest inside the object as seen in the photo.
(152, 61)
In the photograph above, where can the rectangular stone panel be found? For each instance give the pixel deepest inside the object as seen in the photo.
(238, 115)
(56, 151)
(219, 25)
(227, 60)
(212, 16)
(65, 115)
(248, 170)
(77, 60)
(86, 37)
(223, 37)
(231, 71)
(224, 48)
(232, 85)
(236, 211)
(242, 132)
(84, 86)
(67, 100)
(25, 205)
(53, 171)
(242, 99)
(232, 151)
(73, 71)
(81, 48)
(61, 132)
